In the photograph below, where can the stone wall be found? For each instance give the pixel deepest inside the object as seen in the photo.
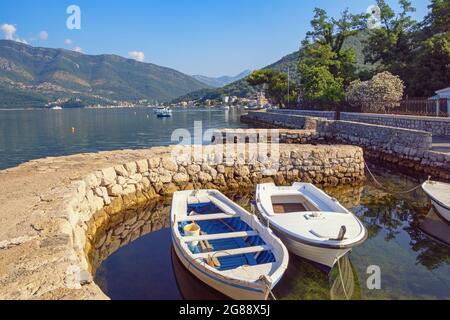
(402, 148)
(397, 140)
(436, 125)
(280, 119)
(329, 115)
(74, 211)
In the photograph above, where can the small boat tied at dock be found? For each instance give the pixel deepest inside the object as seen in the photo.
(311, 224)
(439, 193)
(225, 246)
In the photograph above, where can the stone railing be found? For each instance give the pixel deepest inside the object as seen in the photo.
(436, 125)
(279, 119)
(382, 137)
(52, 241)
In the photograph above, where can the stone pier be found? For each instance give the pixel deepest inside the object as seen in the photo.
(54, 210)
(407, 149)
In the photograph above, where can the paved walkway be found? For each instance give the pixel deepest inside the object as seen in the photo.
(441, 144)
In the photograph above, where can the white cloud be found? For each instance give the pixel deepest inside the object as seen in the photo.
(8, 30)
(9, 33)
(78, 49)
(43, 35)
(68, 41)
(137, 55)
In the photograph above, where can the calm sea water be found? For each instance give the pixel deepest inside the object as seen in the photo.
(406, 241)
(33, 134)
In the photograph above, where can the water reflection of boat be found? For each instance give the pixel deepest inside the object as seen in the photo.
(344, 281)
(434, 226)
(189, 286)
(439, 194)
(304, 281)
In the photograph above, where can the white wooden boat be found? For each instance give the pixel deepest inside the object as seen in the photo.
(225, 246)
(439, 193)
(311, 224)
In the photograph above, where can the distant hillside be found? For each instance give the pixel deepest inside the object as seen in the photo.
(242, 89)
(32, 76)
(221, 81)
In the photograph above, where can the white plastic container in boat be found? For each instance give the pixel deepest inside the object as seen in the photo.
(236, 254)
(439, 193)
(311, 224)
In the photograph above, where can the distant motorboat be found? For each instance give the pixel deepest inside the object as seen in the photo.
(439, 193)
(57, 108)
(163, 112)
(311, 224)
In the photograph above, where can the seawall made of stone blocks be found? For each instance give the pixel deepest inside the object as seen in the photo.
(402, 148)
(55, 210)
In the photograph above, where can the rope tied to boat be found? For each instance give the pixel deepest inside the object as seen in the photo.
(342, 280)
(268, 285)
(386, 189)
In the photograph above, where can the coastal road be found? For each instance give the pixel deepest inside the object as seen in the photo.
(441, 144)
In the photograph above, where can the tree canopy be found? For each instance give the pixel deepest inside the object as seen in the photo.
(325, 66)
(414, 51)
(275, 85)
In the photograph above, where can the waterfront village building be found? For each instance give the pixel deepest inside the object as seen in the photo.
(226, 99)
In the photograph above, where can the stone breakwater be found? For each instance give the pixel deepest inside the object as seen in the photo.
(55, 211)
(404, 148)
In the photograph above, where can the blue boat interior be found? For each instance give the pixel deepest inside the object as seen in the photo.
(228, 225)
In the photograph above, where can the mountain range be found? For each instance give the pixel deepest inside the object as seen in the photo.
(221, 81)
(241, 88)
(31, 76)
(289, 62)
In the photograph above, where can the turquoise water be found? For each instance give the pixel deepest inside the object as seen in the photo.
(414, 264)
(33, 134)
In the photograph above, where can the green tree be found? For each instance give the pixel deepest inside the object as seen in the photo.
(275, 85)
(432, 52)
(391, 44)
(325, 66)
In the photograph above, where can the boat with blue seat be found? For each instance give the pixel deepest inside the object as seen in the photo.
(225, 246)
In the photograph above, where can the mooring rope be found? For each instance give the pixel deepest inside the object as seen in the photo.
(342, 280)
(264, 279)
(386, 189)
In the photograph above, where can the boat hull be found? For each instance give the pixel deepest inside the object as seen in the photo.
(443, 211)
(230, 289)
(326, 257)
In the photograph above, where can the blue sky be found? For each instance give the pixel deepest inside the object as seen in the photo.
(208, 37)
